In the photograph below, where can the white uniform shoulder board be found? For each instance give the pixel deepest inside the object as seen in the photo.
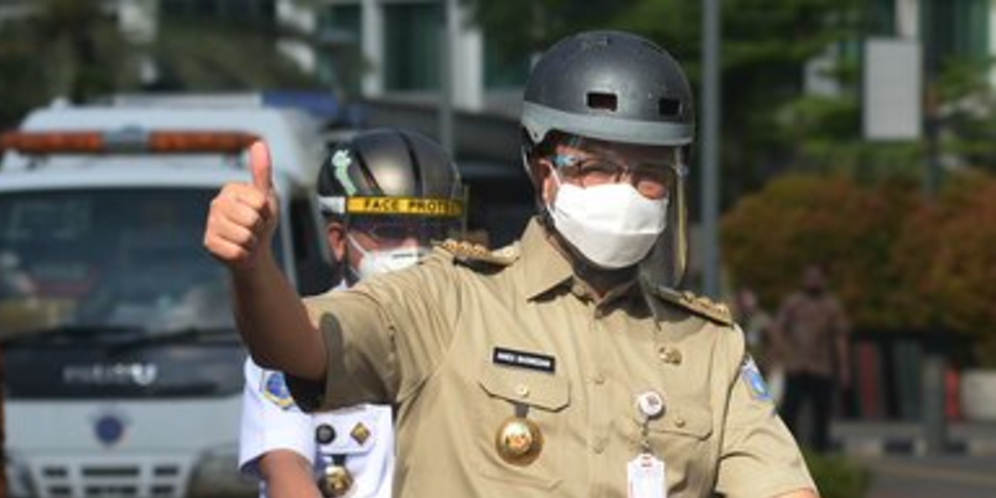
(349, 433)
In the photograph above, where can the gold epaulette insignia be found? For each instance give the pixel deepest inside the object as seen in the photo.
(470, 253)
(700, 305)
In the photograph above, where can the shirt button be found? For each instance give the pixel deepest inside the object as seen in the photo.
(599, 378)
(522, 390)
(679, 422)
(598, 445)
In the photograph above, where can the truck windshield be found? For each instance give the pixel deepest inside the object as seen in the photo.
(115, 289)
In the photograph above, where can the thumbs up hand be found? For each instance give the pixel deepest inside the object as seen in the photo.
(243, 216)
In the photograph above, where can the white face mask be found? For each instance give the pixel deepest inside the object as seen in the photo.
(376, 262)
(612, 225)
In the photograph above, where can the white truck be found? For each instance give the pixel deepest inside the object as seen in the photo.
(123, 367)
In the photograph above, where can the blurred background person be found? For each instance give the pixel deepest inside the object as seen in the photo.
(386, 194)
(757, 326)
(812, 332)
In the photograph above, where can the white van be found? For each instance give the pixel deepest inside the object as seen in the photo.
(123, 367)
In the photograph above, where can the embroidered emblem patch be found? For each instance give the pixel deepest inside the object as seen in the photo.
(275, 389)
(754, 380)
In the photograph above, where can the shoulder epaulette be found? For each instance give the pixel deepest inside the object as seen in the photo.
(476, 255)
(700, 305)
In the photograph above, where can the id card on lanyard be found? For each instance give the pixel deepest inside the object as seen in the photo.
(645, 477)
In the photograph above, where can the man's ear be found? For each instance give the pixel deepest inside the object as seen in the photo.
(542, 173)
(335, 236)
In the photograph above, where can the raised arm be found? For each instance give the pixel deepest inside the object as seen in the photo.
(268, 312)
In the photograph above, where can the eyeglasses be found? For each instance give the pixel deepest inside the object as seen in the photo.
(652, 179)
(395, 229)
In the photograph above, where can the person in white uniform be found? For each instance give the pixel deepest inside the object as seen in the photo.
(386, 195)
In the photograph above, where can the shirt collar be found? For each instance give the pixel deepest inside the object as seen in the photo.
(543, 266)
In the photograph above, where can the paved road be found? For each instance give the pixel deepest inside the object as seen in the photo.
(932, 477)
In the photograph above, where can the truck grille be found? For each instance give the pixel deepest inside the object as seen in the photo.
(111, 480)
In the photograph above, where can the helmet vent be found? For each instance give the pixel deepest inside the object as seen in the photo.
(598, 100)
(669, 107)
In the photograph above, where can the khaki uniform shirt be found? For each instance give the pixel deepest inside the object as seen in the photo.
(811, 327)
(461, 348)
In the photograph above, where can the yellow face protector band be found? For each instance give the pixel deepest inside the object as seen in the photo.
(405, 205)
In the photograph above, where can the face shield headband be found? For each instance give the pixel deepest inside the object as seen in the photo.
(394, 221)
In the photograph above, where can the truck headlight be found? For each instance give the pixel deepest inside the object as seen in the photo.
(216, 474)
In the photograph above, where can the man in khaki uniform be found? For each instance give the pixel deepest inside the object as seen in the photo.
(564, 365)
(812, 331)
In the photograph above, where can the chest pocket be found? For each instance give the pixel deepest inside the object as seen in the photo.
(687, 421)
(541, 398)
(682, 436)
(535, 389)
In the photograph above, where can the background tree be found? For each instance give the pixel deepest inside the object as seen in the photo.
(70, 48)
(75, 49)
(518, 28)
(766, 44)
(946, 258)
(899, 261)
(236, 52)
(770, 236)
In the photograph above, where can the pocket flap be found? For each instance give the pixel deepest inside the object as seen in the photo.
(685, 421)
(542, 390)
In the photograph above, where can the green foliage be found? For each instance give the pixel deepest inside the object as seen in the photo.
(243, 54)
(968, 103)
(524, 27)
(838, 476)
(73, 49)
(765, 45)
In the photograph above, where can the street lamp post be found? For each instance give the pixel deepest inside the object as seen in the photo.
(448, 28)
(710, 146)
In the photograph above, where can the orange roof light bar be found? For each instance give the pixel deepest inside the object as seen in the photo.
(163, 141)
(43, 142)
(126, 140)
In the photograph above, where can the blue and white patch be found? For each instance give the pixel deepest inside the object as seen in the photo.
(751, 375)
(275, 389)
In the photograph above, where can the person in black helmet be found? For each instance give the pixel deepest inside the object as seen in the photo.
(375, 191)
(567, 364)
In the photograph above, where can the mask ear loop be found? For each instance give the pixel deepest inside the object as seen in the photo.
(351, 243)
(555, 173)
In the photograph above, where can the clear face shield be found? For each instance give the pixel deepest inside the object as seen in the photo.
(667, 261)
(657, 173)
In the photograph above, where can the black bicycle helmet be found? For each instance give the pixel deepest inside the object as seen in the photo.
(389, 177)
